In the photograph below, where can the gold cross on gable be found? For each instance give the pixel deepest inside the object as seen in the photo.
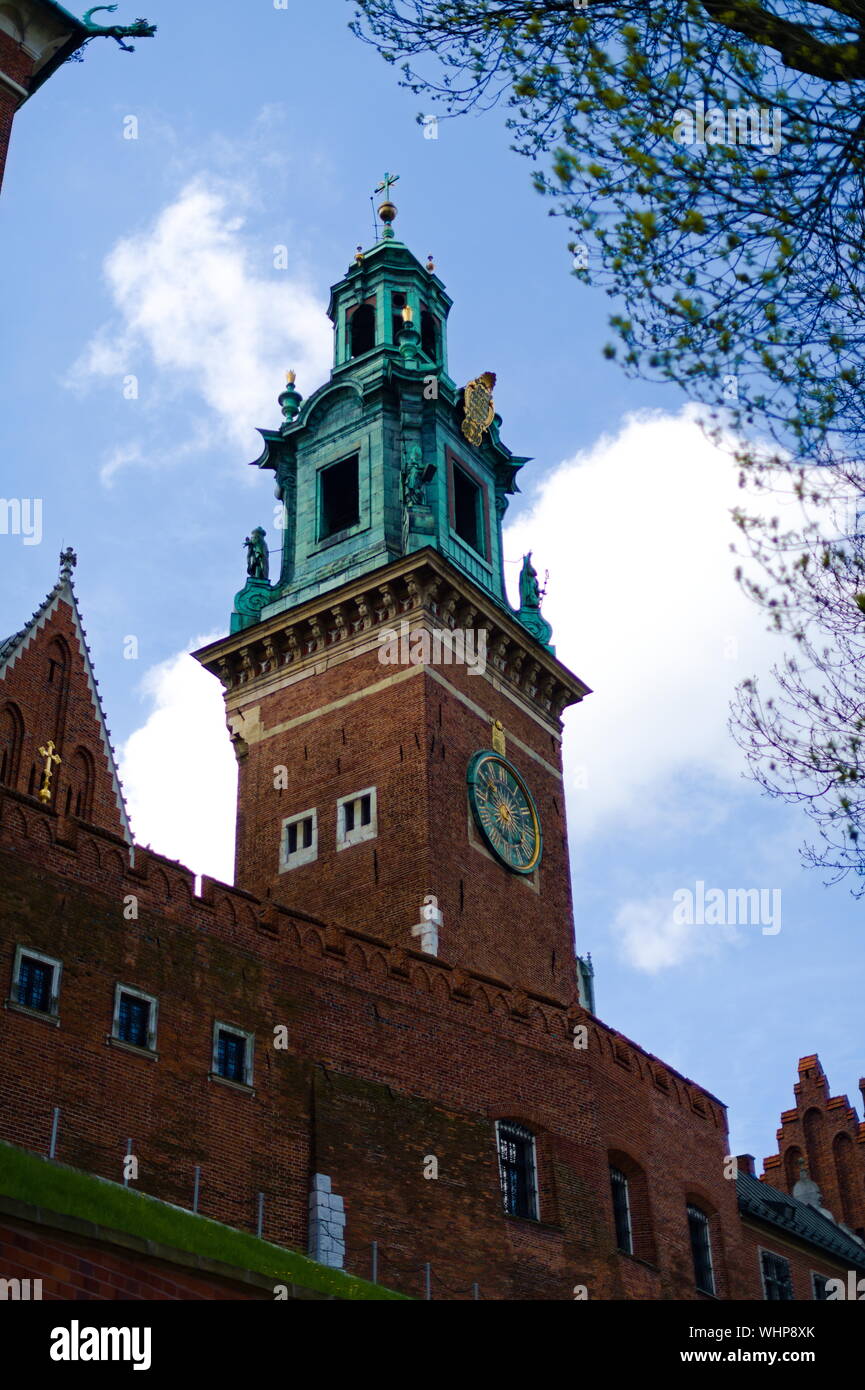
(51, 756)
(385, 185)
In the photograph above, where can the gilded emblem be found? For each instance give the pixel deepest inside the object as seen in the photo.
(479, 409)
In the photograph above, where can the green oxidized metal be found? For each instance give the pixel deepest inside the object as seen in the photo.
(374, 465)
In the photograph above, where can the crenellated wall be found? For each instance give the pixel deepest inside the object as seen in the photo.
(392, 1058)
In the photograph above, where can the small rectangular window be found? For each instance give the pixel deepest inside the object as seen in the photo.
(621, 1210)
(339, 497)
(701, 1250)
(232, 1054)
(35, 981)
(135, 1018)
(357, 818)
(468, 510)
(299, 840)
(516, 1147)
(777, 1283)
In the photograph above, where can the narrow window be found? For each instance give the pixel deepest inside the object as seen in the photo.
(777, 1284)
(362, 329)
(429, 338)
(621, 1210)
(11, 737)
(701, 1250)
(398, 302)
(35, 981)
(339, 501)
(516, 1147)
(232, 1054)
(467, 509)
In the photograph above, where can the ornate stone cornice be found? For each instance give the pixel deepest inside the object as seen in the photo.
(423, 585)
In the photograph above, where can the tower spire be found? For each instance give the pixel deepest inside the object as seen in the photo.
(388, 210)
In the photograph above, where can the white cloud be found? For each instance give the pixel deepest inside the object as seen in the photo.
(636, 533)
(179, 772)
(201, 305)
(650, 939)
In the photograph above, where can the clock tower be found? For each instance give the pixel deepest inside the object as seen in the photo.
(397, 722)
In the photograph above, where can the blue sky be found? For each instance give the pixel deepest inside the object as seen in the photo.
(153, 258)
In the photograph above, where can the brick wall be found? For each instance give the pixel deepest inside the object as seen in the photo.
(74, 1269)
(345, 725)
(825, 1132)
(391, 1057)
(804, 1261)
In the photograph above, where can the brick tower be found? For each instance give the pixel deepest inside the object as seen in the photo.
(396, 721)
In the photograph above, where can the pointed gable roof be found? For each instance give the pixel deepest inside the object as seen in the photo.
(14, 647)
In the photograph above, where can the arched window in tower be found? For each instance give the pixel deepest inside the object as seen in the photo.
(361, 329)
(632, 1213)
(397, 304)
(11, 738)
(429, 335)
(57, 681)
(79, 785)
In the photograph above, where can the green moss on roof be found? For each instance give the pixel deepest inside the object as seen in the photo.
(25, 1177)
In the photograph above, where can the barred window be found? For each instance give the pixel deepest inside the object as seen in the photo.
(701, 1250)
(621, 1210)
(777, 1283)
(516, 1147)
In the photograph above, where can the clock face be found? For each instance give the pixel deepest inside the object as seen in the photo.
(505, 812)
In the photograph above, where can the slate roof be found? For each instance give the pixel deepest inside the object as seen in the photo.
(778, 1208)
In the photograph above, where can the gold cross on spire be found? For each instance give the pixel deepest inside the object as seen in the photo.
(51, 757)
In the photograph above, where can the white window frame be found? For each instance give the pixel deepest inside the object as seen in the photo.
(300, 856)
(152, 1024)
(248, 1056)
(345, 839)
(57, 968)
